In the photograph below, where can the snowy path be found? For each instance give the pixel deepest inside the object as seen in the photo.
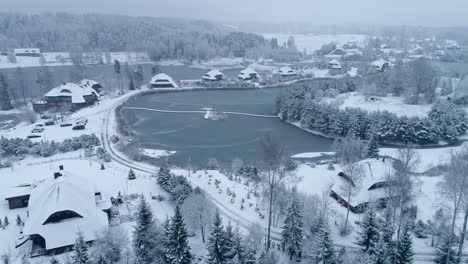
(199, 111)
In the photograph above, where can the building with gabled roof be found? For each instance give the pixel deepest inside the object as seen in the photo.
(287, 71)
(28, 52)
(380, 65)
(68, 95)
(334, 65)
(213, 75)
(91, 83)
(248, 74)
(162, 80)
(61, 206)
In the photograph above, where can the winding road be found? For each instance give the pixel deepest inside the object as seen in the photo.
(420, 257)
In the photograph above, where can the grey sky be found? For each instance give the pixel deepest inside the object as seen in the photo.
(383, 12)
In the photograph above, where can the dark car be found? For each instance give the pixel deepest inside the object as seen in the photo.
(79, 127)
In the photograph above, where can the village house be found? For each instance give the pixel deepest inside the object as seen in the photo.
(287, 71)
(248, 74)
(70, 96)
(380, 65)
(31, 52)
(213, 75)
(162, 80)
(91, 83)
(334, 65)
(61, 206)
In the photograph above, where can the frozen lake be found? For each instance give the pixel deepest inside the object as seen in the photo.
(197, 139)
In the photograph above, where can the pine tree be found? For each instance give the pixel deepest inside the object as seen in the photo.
(322, 250)
(102, 166)
(178, 250)
(218, 251)
(80, 256)
(239, 249)
(373, 147)
(138, 76)
(292, 234)
(230, 242)
(442, 250)
(368, 235)
(164, 177)
(6, 221)
(142, 242)
(131, 175)
(117, 72)
(5, 100)
(270, 257)
(405, 248)
(1, 224)
(131, 85)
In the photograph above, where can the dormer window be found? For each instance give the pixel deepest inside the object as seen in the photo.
(65, 91)
(61, 216)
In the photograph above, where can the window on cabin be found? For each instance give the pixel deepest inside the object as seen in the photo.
(65, 91)
(60, 216)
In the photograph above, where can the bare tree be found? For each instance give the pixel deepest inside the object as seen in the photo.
(453, 187)
(274, 173)
(198, 212)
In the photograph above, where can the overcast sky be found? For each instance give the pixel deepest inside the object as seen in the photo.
(383, 12)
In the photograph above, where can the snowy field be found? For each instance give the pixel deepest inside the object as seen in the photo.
(312, 42)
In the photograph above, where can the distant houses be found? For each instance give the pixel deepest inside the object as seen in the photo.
(162, 80)
(68, 95)
(380, 65)
(213, 75)
(93, 84)
(248, 74)
(58, 208)
(334, 65)
(31, 52)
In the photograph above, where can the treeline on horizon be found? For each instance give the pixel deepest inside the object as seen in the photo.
(162, 38)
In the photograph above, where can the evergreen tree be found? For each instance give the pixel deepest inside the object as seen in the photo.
(117, 72)
(270, 257)
(368, 235)
(178, 250)
(230, 242)
(292, 234)
(155, 69)
(442, 250)
(102, 166)
(131, 85)
(80, 256)
(5, 100)
(322, 250)
(164, 177)
(138, 76)
(131, 175)
(6, 221)
(405, 248)
(142, 234)
(373, 147)
(239, 249)
(218, 251)
(1, 224)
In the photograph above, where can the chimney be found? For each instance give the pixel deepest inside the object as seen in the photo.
(63, 83)
(57, 174)
(61, 167)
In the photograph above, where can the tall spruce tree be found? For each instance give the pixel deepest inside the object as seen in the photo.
(5, 100)
(442, 251)
(218, 251)
(178, 250)
(164, 177)
(373, 147)
(322, 249)
(368, 235)
(405, 248)
(239, 249)
(142, 234)
(80, 256)
(292, 234)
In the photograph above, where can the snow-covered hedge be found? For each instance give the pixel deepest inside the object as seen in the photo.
(19, 147)
(445, 121)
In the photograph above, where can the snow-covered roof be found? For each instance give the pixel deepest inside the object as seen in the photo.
(87, 82)
(162, 78)
(75, 91)
(286, 71)
(379, 63)
(27, 50)
(247, 73)
(18, 191)
(66, 193)
(211, 75)
(334, 64)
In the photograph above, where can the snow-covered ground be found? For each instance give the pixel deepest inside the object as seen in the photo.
(312, 42)
(157, 153)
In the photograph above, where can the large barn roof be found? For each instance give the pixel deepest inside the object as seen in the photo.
(246, 73)
(211, 75)
(162, 78)
(66, 193)
(72, 90)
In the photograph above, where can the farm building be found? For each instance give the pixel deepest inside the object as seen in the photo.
(380, 65)
(68, 95)
(213, 75)
(287, 71)
(18, 196)
(162, 80)
(61, 206)
(32, 52)
(91, 83)
(248, 74)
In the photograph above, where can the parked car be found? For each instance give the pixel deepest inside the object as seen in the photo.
(37, 130)
(83, 120)
(49, 123)
(66, 124)
(79, 127)
(34, 136)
